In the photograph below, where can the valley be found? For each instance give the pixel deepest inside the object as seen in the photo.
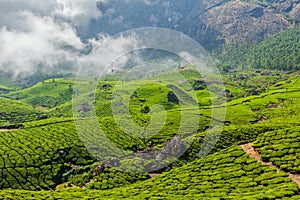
(152, 126)
(45, 153)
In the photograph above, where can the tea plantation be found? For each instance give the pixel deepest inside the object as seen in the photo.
(282, 148)
(227, 174)
(13, 113)
(35, 158)
(47, 94)
(46, 159)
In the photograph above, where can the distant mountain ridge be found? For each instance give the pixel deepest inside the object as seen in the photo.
(210, 22)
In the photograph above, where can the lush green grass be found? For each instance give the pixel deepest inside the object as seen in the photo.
(63, 110)
(280, 101)
(249, 117)
(95, 177)
(63, 136)
(49, 152)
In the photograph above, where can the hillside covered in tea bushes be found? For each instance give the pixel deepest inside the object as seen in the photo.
(45, 158)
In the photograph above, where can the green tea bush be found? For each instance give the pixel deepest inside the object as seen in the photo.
(280, 147)
(202, 179)
(35, 158)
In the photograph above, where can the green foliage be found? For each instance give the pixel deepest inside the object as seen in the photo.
(35, 158)
(15, 112)
(280, 52)
(47, 153)
(110, 178)
(282, 148)
(46, 94)
(212, 177)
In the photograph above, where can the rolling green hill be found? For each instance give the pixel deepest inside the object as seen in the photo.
(153, 126)
(15, 112)
(45, 155)
(46, 94)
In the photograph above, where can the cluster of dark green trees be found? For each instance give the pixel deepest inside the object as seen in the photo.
(280, 52)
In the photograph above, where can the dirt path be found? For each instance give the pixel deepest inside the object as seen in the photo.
(248, 148)
(85, 185)
(295, 178)
(154, 175)
(4, 130)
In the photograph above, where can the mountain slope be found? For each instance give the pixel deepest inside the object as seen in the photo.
(280, 52)
(211, 22)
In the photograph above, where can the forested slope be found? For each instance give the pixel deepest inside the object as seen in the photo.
(280, 52)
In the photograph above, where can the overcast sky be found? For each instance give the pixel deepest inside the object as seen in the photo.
(43, 34)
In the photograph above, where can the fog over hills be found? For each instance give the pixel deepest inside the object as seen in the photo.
(93, 106)
(49, 36)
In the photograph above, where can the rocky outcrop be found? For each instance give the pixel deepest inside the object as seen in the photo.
(241, 22)
(211, 22)
(290, 8)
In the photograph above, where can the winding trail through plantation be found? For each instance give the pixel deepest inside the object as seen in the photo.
(5, 130)
(248, 148)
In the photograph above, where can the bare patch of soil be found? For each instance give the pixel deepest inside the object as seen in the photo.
(154, 175)
(5, 130)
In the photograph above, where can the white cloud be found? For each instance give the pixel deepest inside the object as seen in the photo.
(80, 12)
(44, 44)
(37, 34)
(46, 40)
(42, 36)
(107, 50)
(151, 2)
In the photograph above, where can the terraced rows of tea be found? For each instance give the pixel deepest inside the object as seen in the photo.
(12, 113)
(47, 94)
(48, 154)
(35, 158)
(282, 148)
(227, 174)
